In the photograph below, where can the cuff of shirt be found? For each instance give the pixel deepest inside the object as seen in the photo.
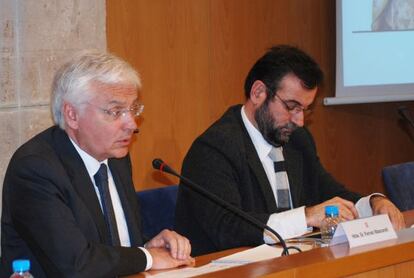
(288, 224)
(363, 206)
(149, 258)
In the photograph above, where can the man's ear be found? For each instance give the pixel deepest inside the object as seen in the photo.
(71, 115)
(258, 93)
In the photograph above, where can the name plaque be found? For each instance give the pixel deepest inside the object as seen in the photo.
(364, 231)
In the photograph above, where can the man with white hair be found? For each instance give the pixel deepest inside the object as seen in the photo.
(69, 203)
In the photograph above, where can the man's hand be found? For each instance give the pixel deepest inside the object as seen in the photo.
(162, 259)
(381, 205)
(178, 246)
(315, 214)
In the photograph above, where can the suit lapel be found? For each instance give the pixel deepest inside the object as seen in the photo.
(257, 168)
(256, 165)
(294, 165)
(80, 180)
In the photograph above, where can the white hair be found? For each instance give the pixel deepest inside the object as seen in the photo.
(72, 81)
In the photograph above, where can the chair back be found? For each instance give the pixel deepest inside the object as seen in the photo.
(157, 209)
(399, 184)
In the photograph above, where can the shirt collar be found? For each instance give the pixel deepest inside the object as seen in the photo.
(263, 148)
(92, 165)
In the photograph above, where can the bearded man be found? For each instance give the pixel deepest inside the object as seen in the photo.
(260, 158)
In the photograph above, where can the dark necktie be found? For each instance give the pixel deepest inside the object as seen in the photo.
(282, 182)
(101, 181)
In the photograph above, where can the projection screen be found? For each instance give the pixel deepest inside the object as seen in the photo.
(375, 51)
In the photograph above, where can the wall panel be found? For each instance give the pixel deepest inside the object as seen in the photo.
(193, 56)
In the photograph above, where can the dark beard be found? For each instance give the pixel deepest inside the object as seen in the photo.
(267, 127)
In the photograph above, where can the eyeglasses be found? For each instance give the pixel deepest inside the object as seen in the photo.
(114, 114)
(293, 107)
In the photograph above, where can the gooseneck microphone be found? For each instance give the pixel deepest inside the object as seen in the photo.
(158, 164)
(406, 115)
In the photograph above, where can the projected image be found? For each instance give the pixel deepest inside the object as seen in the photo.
(375, 56)
(392, 15)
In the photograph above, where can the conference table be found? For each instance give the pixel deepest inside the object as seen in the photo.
(392, 258)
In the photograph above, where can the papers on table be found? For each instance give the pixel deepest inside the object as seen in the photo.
(260, 253)
(190, 271)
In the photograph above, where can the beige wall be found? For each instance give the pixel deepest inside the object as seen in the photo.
(36, 36)
(193, 56)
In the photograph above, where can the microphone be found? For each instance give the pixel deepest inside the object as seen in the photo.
(160, 165)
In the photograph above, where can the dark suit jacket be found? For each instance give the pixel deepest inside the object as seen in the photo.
(51, 213)
(224, 161)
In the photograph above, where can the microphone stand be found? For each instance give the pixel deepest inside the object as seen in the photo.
(158, 164)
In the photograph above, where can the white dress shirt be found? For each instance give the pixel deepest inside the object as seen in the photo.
(290, 223)
(92, 166)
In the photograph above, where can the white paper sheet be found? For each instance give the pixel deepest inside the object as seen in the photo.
(190, 271)
(260, 253)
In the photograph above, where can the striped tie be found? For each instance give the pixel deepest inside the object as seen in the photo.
(282, 182)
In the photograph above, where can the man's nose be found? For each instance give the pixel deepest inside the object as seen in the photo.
(130, 121)
(298, 119)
